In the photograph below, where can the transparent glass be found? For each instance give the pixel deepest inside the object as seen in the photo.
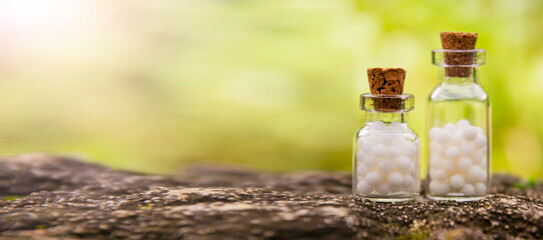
(386, 151)
(458, 128)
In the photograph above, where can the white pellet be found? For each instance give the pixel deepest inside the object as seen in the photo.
(443, 137)
(369, 161)
(435, 161)
(410, 149)
(452, 152)
(378, 125)
(411, 169)
(466, 149)
(462, 123)
(449, 127)
(457, 139)
(387, 140)
(456, 181)
(438, 174)
(468, 190)
(373, 178)
(480, 188)
(464, 163)
(408, 180)
(434, 132)
(395, 179)
(449, 166)
(475, 173)
(360, 156)
(383, 189)
(435, 146)
(385, 165)
(477, 156)
(363, 187)
(480, 141)
(483, 176)
(379, 150)
(361, 141)
(469, 133)
(403, 163)
(362, 170)
(393, 152)
(367, 146)
(441, 188)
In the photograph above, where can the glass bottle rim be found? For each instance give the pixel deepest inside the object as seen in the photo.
(458, 58)
(402, 103)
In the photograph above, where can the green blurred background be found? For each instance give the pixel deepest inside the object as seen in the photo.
(153, 86)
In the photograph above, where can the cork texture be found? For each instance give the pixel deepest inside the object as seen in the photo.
(386, 81)
(458, 41)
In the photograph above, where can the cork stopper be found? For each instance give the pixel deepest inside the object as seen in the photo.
(387, 81)
(458, 41)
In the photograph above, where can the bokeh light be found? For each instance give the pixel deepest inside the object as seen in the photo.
(154, 86)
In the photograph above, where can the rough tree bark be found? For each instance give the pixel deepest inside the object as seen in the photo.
(49, 197)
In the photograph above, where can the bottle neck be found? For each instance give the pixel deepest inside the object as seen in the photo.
(386, 117)
(449, 75)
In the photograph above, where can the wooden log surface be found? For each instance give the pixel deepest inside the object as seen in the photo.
(51, 197)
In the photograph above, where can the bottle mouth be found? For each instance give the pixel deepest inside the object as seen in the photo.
(387, 103)
(458, 58)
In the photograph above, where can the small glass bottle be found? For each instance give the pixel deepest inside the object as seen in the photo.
(386, 152)
(458, 128)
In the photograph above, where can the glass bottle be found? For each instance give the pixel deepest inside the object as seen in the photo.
(386, 151)
(458, 128)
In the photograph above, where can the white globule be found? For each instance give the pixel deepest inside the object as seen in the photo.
(403, 163)
(367, 147)
(383, 189)
(408, 180)
(448, 166)
(468, 190)
(438, 174)
(480, 141)
(369, 161)
(457, 162)
(387, 141)
(464, 163)
(452, 152)
(412, 169)
(393, 152)
(475, 173)
(462, 123)
(385, 165)
(469, 133)
(363, 187)
(449, 127)
(457, 139)
(386, 161)
(379, 150)
(362, 170)
(480, 188)
(360, 155)
(466, 148)
(395, 179)
(435, 162)
(443, 137)
(457, 181)
(373, 178)
(434, 132)
(409, 149)
(439, 187)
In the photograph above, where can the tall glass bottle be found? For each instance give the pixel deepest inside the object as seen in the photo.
(458, 127)
(386, 151)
